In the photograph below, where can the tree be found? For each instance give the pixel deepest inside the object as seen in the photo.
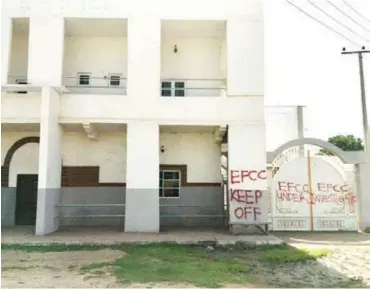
(345, 143)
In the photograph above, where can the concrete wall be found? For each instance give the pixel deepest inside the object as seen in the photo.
(19, 57)
(196, 150)
(96, 55)
(104, 195)
(199, 58)
(194, 202)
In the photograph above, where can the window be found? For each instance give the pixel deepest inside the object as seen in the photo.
(179, 89)
(21, 81)
(173, 88)
(84, 79)
(114, 80)
(166, 88)
(169, 183)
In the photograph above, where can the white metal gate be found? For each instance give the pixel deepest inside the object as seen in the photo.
(311, 194)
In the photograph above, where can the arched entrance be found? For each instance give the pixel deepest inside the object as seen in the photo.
(23, 198)
(311, 192)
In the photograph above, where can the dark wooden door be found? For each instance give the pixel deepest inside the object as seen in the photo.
(26, 204)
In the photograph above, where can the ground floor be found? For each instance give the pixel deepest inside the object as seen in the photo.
(306, 260)
(110, 175)
(146, 177)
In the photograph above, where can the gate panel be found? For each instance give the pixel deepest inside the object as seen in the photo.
(311, 194)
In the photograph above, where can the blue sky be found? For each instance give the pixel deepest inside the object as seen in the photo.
(304, 65)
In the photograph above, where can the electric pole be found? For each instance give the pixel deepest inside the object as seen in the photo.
(363, 95)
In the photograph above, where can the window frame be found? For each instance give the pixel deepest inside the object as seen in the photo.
(88, 74)
(162, 188)
(110, 75)
(173, 89)
(21, 81)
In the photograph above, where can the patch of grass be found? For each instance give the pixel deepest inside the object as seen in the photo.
(11, 268)
(170, 263)
(95, 266)
(23, 268)
(39, 248)
(289, 254)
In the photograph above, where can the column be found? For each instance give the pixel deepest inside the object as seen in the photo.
(144, 58)
(6, 44)
(363, 194)
(50, 164)
(142, 177)
(45, 50)
(247, 174)
(300, 128)
(245, 55)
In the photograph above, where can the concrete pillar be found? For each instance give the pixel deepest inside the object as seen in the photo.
(50, 164)
(45, 50)
(245, 55)
(6, 44)
(363, 194)
(247, 152)
(144, 58)
(142, 178)
(300, 128)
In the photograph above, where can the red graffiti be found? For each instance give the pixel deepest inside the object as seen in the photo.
(303, 188)
(239, 176)
(247, 213)
(321, 187)
(317, 198)
(248, 197)
(292, 187)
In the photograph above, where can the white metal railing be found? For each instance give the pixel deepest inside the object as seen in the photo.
(95, 85)
(176, 87)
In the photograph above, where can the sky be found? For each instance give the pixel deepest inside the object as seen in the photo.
(304, 65)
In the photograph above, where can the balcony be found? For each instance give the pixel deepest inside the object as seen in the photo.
(87, 84)
(193, 58)
(193, 87)
(95, 56)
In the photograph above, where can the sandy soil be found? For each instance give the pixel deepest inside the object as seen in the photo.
(55, 270)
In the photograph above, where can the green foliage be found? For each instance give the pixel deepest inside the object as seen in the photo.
(345, 143)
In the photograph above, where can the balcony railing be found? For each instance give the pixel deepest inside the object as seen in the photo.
(193, 87)
(85, 84)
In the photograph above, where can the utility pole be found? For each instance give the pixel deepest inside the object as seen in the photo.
(363, 94)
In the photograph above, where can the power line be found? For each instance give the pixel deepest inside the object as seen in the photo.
(331, 17)
(356, 11)
(322, 23)
(345, 14)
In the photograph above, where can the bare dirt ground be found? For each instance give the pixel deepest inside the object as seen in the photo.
(56, 269)
(349, 261)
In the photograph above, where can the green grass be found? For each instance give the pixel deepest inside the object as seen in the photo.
(183, 264)
(283, 255)
(23, 268)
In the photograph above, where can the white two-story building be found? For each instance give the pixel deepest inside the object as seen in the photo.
(113, 112)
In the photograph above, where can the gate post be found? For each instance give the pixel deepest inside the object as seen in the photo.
(363, 194)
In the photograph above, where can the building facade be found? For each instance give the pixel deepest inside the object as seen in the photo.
(113, 112)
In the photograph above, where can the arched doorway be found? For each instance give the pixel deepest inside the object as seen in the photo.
(21, 180)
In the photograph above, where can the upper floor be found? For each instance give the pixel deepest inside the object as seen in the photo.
(134, 50)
